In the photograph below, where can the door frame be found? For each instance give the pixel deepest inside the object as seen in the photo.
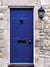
(33, 30)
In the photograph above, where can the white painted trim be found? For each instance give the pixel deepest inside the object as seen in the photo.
(33, 30)
(9, 36)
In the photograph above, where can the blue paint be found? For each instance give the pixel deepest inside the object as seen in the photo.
(21, 52)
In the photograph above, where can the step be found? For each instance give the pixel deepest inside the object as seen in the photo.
(14, 65)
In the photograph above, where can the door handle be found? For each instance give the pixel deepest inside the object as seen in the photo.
(30, 41)
(21, 21)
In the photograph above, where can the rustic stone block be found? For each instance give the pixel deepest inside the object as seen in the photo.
(4, 62)
(48, 22)
(3, 25)
(49, 38)
(47, 6)
(47, 2)
(46, 26)
(1, 16)
(3, 43)
(37, 43)
(1, 30)
(6, 16)
(18, 2)
(6, 25)
(5, 2)
(47, 62)
(39, 26)
(6, 33)
(48, 14)
(3, 9)
(48, 30)
(0, 55)
(47, 53)
(5, 52)
(37, 51)
(41, 31)
(4, 65)
(1, 36)
(36, 34)
(36, 27)
(47, 42)
(0, 2)
(45, 30)
(42, 37)
(0, 52)
(42, 34)
(47, 10)
(46, 18)
(40, 63)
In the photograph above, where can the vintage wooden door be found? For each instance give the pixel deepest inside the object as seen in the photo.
(21, 35)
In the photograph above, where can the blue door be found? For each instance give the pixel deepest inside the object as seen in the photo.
(21, 36)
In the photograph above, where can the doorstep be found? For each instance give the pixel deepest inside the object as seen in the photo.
(13, 65)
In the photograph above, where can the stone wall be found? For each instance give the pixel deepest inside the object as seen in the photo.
(41, 34)
(42, 43)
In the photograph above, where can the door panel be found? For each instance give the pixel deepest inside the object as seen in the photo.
(21, 13)
(21, 35)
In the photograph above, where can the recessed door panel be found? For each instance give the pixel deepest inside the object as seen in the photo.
(21, 35)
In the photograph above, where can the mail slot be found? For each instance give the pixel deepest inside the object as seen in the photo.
(21, 41)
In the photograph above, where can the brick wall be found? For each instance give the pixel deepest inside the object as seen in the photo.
(42, 31)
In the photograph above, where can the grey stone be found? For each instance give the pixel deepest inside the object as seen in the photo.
(3, 43)
(37, 43)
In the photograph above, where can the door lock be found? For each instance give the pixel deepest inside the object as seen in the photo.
(21, 21)
(29, 41)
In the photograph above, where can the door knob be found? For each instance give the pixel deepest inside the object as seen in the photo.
(21, 21)
(29, 41)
